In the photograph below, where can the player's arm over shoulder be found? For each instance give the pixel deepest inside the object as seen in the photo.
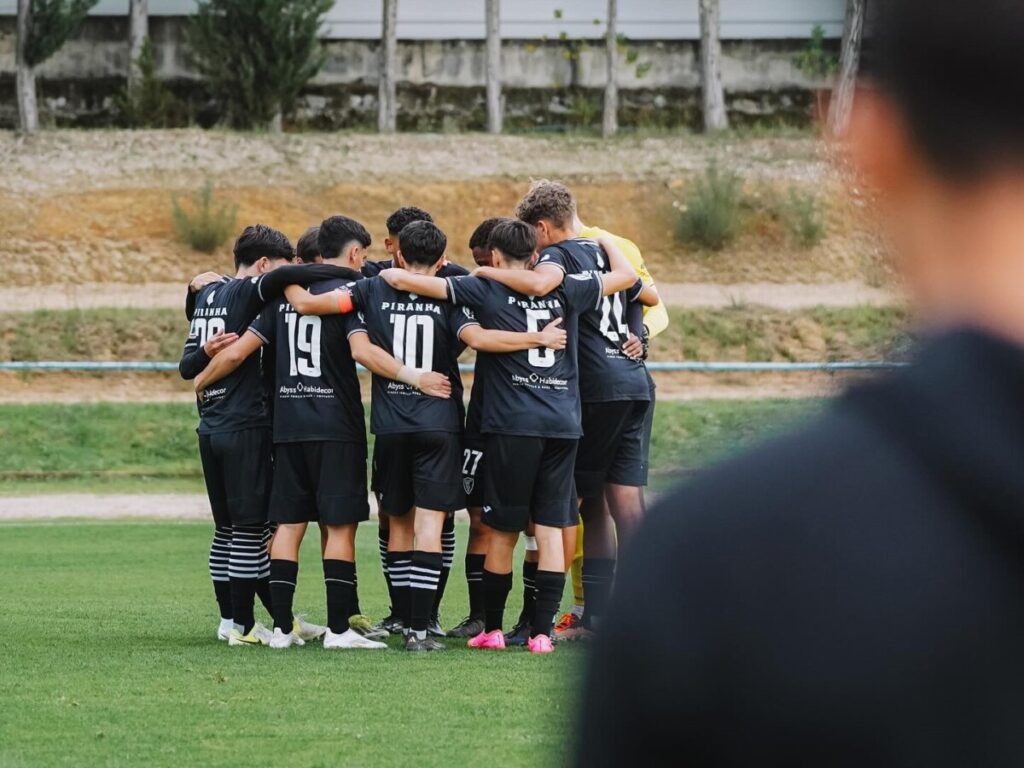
(226, 361)
(403, 280)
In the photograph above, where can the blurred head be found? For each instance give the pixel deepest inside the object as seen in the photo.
(398, 221)
(260, 249)
(420, 246)
(937, 135)
(307, 250)
(343, 239)
(513, 244)
(478, 241)
(550, 207)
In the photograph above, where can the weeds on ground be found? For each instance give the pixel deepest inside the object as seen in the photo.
(711, 215)
(208, 224)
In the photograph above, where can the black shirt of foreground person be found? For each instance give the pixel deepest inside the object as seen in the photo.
(852, 595)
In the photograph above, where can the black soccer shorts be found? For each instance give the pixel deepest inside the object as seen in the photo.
(237, 470)
(474, 449)
(319, 481)
(419, 469)
(612, 446)
(529, 479)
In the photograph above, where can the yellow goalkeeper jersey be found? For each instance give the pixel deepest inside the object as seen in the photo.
(655, 318)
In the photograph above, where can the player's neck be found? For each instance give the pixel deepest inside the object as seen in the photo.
(421, 269)
(566, 233)
(244, 273)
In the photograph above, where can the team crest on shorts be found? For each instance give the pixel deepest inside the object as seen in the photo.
(468, 484)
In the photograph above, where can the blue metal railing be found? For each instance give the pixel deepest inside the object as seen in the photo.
(666, 367)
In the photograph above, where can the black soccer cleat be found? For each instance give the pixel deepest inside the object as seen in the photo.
(469, 627)
(434, 627)
(391, 624)
(413, 643)
(520, 634)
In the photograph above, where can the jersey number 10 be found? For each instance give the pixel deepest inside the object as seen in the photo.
(303, 344)
(413, 341)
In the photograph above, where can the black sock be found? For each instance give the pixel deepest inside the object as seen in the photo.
(220, 553)
(354, 608)
(339, 578)
(399, 564)
(424, 574)
(263, 583)
(496, 589)
(550, 585)
(597, 585)
(475, 582)
(529, 591)
(283, 576)
(447, 558)
(244, 570)
(382, 546)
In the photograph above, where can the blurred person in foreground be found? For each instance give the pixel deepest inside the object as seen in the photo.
(853, 594)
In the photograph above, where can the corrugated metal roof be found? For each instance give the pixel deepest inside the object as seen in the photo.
(532, 19)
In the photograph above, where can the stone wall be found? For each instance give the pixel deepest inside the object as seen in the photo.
(548, 84)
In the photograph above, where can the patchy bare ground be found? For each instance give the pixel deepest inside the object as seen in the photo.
(94, 206)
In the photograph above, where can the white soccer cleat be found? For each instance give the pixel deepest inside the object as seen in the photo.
(351, 640)
(306, 630)
(224, 629)
(280, 640)
(259, 635)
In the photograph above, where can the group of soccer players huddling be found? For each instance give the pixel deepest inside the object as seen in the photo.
(557, 429)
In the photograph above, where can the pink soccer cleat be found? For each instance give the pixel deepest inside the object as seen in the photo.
(540, 644)
(491, 641)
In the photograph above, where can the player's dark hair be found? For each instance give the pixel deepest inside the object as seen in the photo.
(405, 216)
(516, 240)
(258, 241)
(306, 249)
(947, 65)
(549, 200)
(421, 242)
(482, 234)
(337, 232)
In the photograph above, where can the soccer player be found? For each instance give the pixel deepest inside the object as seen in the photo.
(397, 221)
(234, 425)
(472, 466)
(319, 434)
(417, 457)
(531, 416)
(615, 388)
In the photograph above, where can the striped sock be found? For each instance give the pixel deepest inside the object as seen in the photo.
(220, 553)
(283, 576)
(597, 586)
(475, 583)
(447, 558)
(424, 573)
(399, 564)
(244, 570)
(340, 581)
(550, 585)
(263, 582)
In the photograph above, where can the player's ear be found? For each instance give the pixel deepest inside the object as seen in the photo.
(388, 242)
(262, 265)
(399, 259)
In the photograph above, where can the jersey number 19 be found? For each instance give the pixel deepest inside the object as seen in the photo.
(303, 344)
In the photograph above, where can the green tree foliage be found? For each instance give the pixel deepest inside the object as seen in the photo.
(53, 22)
(257, 54)
(149, 103)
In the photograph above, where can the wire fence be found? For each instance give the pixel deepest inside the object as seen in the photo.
(663, 367)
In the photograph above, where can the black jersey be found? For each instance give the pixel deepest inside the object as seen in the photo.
(532, 392)
(316, 388)
(373, 268)
(606, 373)
(423, 334)
(237, 401)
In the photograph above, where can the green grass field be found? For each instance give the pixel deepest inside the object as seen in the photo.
(107, 657)
(132, 447)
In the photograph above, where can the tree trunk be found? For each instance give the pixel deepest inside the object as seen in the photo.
(715, 118)
(494, 112)
(28, 111)
(610, 124)
(386, 118)
(138, 31)
(849, 59)
(276, 123)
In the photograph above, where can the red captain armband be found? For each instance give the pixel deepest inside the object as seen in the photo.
(345, 304)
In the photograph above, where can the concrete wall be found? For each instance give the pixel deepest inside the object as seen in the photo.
(441, 81)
